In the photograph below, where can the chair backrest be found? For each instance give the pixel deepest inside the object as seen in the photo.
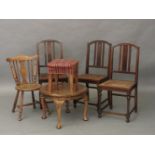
(24, 69)
(125, 59)
(48, 50)
(98, 55)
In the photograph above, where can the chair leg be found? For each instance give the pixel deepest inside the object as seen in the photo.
(99, 92)
(136, 100)
(33, 100)
(67, 107)
(21, 106)
(110, 99)
(40, 100)
(75, 103)
(128, 108)
(87, 85)
(15, 101)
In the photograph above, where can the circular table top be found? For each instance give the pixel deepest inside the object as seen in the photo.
(63, 91)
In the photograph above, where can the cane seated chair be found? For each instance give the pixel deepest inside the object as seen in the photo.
(97, 62)
(25, 73)
(125, 61)
(48, 50)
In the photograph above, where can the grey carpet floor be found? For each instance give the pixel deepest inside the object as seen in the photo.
(142, 123)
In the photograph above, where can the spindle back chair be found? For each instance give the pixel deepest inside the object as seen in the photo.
(25, 73)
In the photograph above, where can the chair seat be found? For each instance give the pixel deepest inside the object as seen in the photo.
(44, 77)
(118, 85)
(92, 78)
(28, 87)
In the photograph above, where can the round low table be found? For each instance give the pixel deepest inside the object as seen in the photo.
(60, 96)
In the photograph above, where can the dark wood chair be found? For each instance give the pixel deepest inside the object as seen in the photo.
(97, 65)
(124, 61)
(25, 73)
(48, 50)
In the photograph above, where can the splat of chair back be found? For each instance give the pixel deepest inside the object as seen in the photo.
(98, 54)
(24, 69)
(125, 59)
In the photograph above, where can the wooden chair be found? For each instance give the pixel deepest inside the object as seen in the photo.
(124, 61)
(97, 62)
(48, 50)
(25, 73)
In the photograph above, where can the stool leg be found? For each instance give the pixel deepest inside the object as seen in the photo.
(15, 101)
(59, 104)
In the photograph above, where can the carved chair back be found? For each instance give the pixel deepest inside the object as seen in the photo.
(125, 60)
(48, 50)
(98, 54)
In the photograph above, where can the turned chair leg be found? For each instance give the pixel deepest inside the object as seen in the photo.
(110, 99)
(128, 108)
(87, 85)
(75, 103)
(136, 100)
(40, 100)
(99, 92)
(85, 110)
(21, 106)
(33, 100)
(15, 101)
(67, 107)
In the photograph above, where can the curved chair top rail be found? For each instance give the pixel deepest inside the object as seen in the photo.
(126, 44)
(100, 41)
(22, 58)
(49, 40)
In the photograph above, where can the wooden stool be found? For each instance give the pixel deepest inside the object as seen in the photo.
(58, 67)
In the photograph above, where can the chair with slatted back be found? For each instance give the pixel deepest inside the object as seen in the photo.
(97, 65)
(124, 62)
(48, 50)
(25, 73)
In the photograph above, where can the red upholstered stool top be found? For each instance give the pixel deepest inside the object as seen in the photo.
(63, 66)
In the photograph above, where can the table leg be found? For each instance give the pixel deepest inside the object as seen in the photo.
(44, 107)
(59, 104)
(85, 111)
